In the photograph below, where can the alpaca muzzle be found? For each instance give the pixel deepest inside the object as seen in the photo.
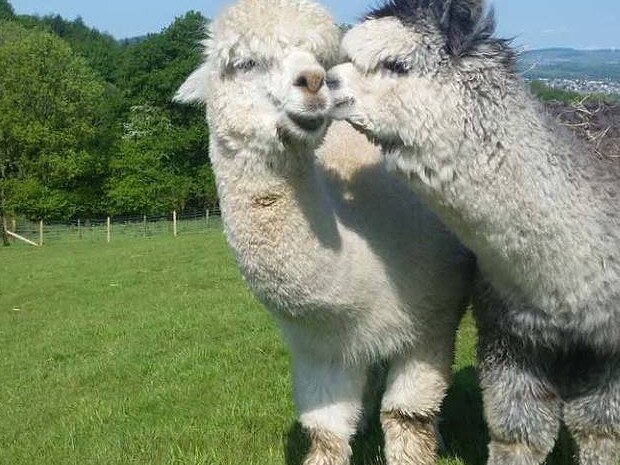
(311, 81)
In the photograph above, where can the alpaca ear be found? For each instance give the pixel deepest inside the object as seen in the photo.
(195, 88)
(462, 21)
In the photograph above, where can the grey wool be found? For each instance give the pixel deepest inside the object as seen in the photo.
(431, 84)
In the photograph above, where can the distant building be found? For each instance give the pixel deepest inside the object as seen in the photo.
(584, 86)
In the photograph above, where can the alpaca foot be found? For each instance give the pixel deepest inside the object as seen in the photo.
(409, 440)
(415, 389)
(328, 396)
(327, 449)
(501, 453)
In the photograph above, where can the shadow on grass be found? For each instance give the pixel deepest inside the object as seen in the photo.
(296, 445)
(367, 446)
(462, 427)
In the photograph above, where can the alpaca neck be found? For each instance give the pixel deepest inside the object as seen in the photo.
(510, 195)
(254, 171)
(275, 212)
(259, 189)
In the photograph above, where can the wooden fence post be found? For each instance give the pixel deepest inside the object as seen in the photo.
(14, 225)
(145, 227)
(3, 232)
(174, 223)
(79, 229)
(109, 230)
(41, 233)
(207, 218)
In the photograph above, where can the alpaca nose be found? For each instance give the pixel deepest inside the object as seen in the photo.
(311, 80)
(332, 81)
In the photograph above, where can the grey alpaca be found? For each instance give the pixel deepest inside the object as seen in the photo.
(429, 82)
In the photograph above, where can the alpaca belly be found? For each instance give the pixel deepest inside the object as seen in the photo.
(350, 338)
(595, 328)
(371, 329)
(581, 370)
(569, 372)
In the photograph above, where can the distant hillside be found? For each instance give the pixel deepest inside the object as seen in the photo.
(564, 63)
(134, 40)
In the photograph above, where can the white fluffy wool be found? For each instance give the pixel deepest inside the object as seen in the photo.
(354, 269)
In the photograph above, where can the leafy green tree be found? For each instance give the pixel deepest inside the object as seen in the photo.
(54, 136)
(149, 74)
(150, 173)
(205, 191)
(6, 10)
(548, 94)
(153, 68)
(100, 51)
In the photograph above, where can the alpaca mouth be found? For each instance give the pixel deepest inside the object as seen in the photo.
(307, 123)
(359, 127)
(344, 102)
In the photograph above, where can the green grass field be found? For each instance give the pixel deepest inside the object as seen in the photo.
(153, 352)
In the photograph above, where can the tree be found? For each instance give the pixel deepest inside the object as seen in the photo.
(148, 173)
(3, 235)
(54, 137)
(6, 10)
(62, 141)
(152, 69)
(101, 51)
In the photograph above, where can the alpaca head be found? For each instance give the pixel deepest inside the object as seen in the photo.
(264, 72)
(408, 66)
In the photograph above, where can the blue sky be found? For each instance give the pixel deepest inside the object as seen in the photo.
(535, 23)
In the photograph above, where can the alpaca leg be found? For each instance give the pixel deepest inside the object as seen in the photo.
(328, 397)
(522, 411)
(594, 419)
(415, 390)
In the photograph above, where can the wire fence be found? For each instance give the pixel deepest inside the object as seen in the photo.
(103, 230)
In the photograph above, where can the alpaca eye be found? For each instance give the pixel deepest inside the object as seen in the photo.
(245, 65)
(397, 67)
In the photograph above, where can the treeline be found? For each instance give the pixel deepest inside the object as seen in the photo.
(87, 125)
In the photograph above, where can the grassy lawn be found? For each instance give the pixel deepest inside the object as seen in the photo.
(153, 352)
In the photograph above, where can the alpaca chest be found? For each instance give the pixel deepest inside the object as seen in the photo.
(278, 255)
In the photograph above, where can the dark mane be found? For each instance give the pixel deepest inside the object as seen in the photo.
(468, 28)
(408, 11)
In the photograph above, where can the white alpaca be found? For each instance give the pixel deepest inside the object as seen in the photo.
(352, 267)
(430, 82)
